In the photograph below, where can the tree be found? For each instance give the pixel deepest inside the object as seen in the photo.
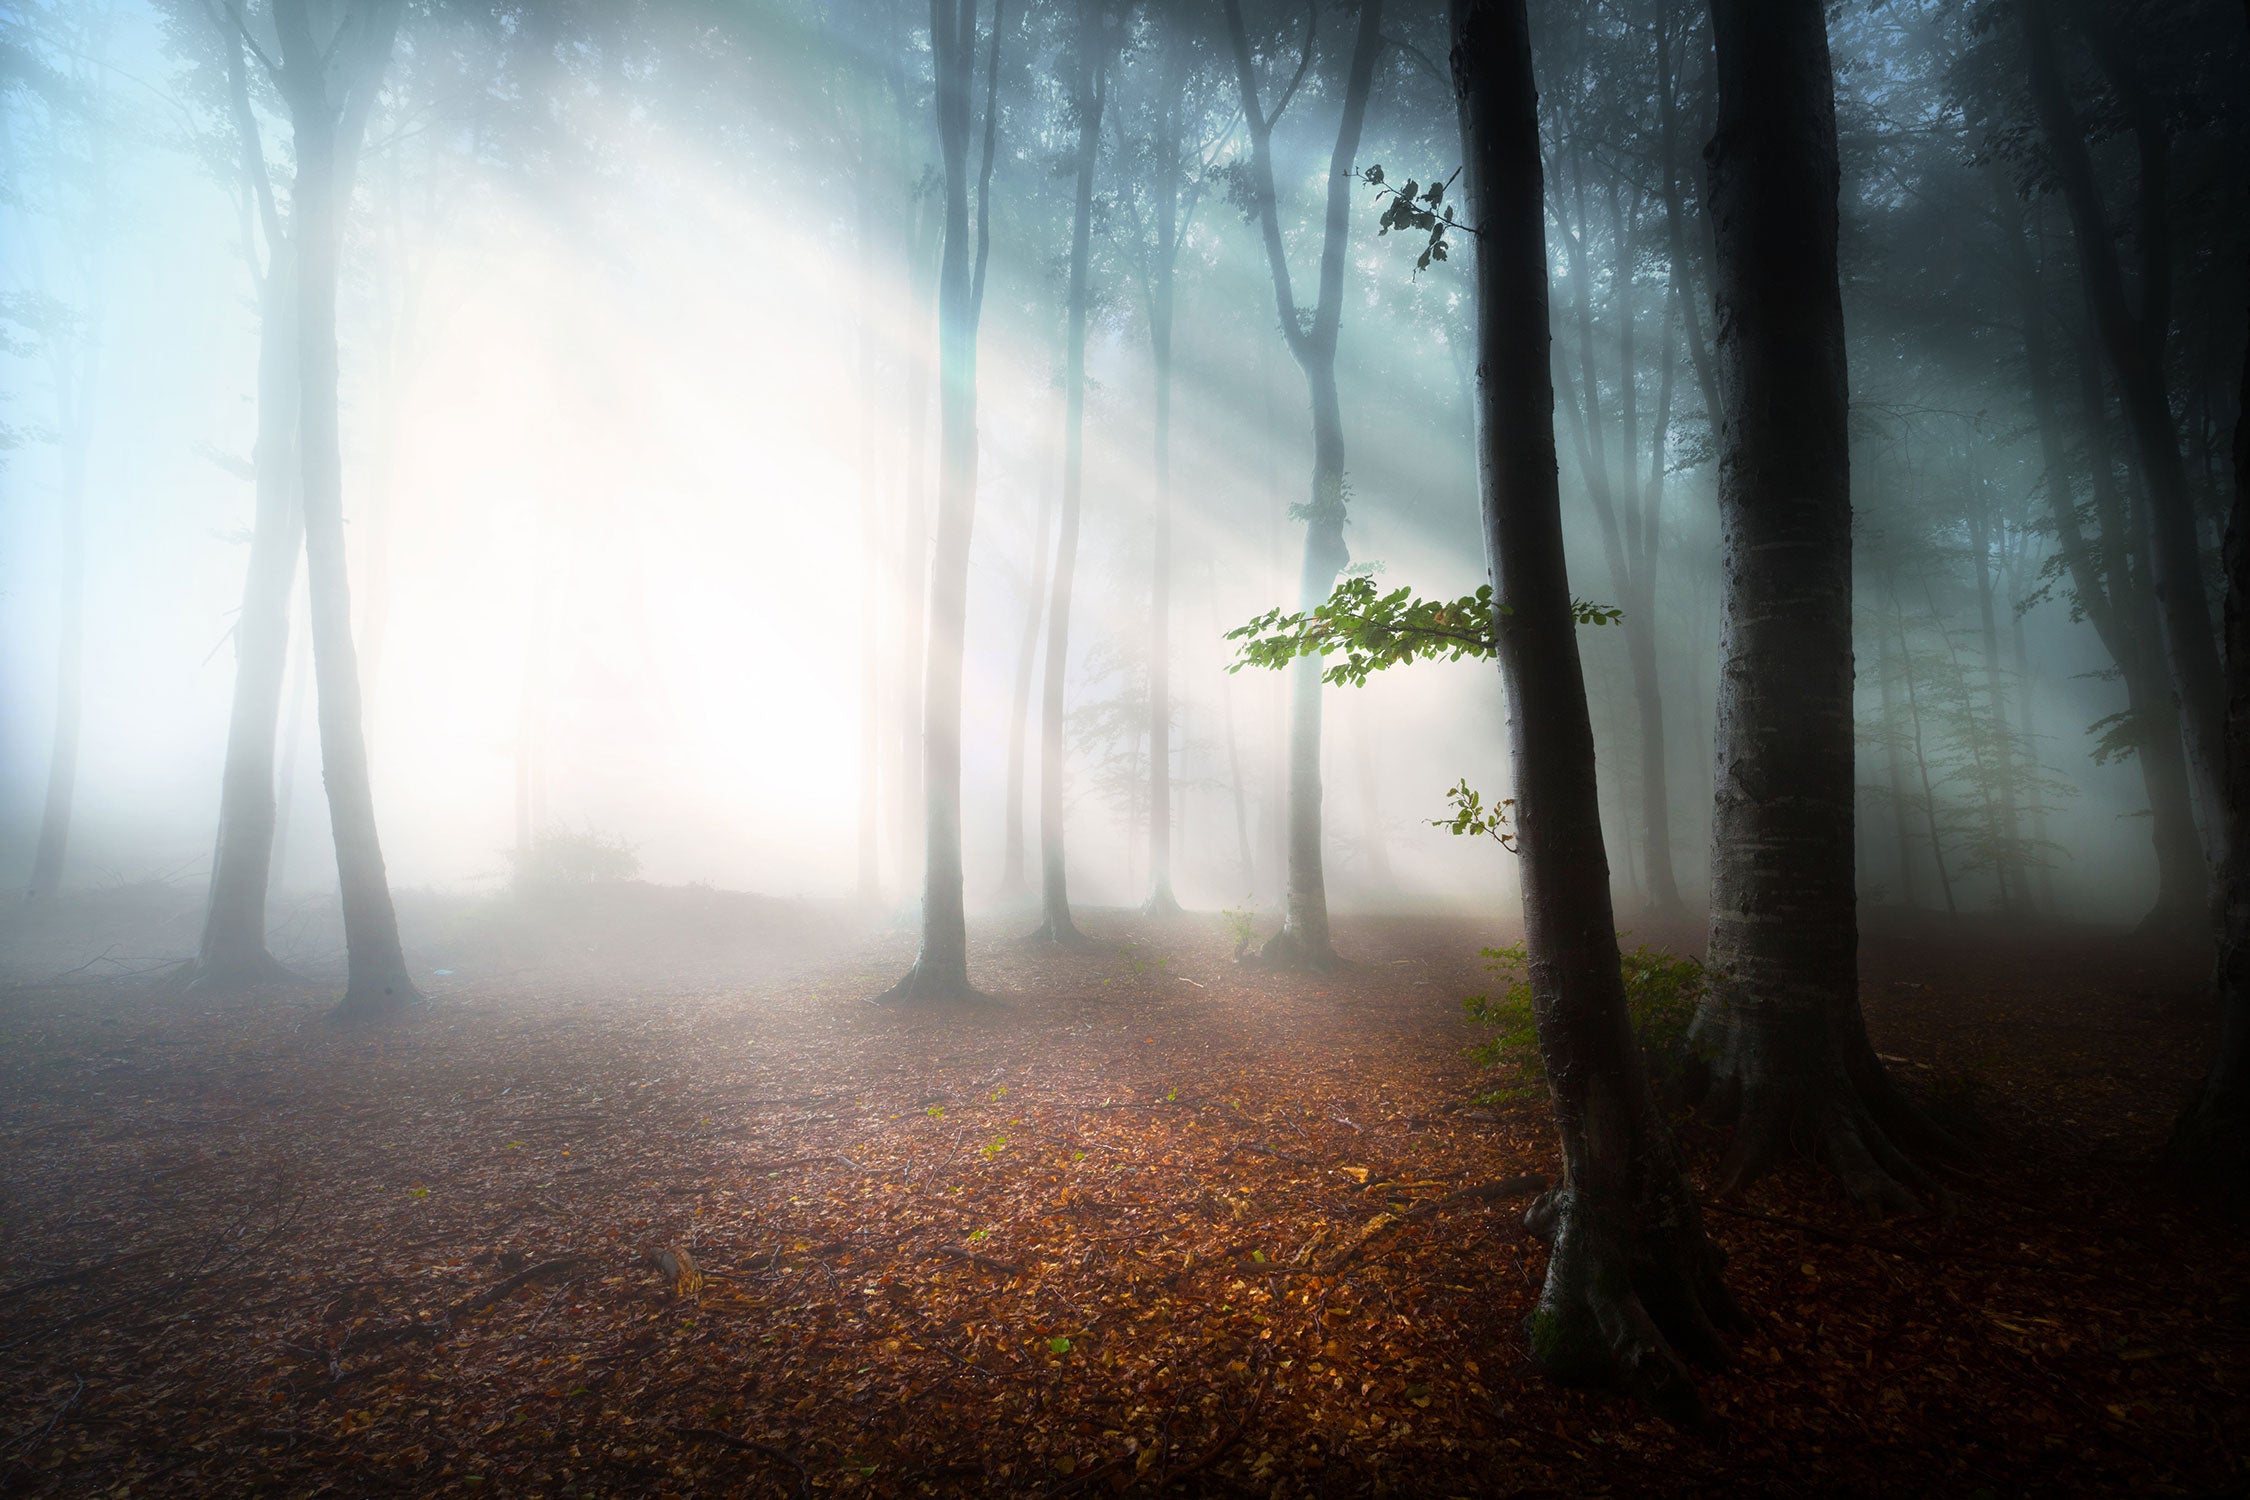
(233, 950)
(1632, 1281)
(1791, 1065)
(329, 83)
(1311, 335)
(941, 968)
(1089, 93)
(2133, 342)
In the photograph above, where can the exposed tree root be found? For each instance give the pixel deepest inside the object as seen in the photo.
(1293, 952)
(1629, 1309)
(1057, 931)
(1791, 1090)
(931, 985)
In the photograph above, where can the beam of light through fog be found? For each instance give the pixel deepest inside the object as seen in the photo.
(645, 388)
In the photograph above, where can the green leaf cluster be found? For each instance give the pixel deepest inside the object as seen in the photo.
(1661, 993)
(1366, 630)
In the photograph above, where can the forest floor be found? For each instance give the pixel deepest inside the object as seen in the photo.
(1151, 1223)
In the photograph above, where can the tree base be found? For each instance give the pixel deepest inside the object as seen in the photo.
(1629, 1311)
(922, 986)
(377, 1001)
(1161, 903)
(1883, 1151)
(2209, 1153)
(1057, 931)
(234, 973)
(1292, 951)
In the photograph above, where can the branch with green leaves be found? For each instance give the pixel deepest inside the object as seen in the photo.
(1365, 630)
(1415, 207)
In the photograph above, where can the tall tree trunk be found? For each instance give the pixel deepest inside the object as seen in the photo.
(1311, 336)
(1089, 91)
(1012, 882)
(1922, 759)
(871, 215)
(1901, 807)
(233, 950)
(376, 983)
(1632, 1281)
(2211, 1144)
(1160, 900)
(941, 968)
(74, 377)
(2015, 892)
(1793, 1067)
(2134, 345)
(914, 567)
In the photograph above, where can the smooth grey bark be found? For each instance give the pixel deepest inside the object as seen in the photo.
(941, 967)
(1633, 1284)
(327, 130)
(2133, 342)
(1311, 337)
(233, 949)
(1791, 1065)
(1089, 95)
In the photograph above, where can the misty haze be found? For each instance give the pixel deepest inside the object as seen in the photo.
(1177, 747)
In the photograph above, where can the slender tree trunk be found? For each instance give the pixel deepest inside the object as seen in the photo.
(377, 984)
(2134, 345)
(1012, 882)
(871, 209)
(1793, 1067)
(1922, 760)
(2007, 856)
(1303, 940)
(941, 968)
(2027, 733)
(1632, 1281)
(1160, 900)
(233, 951)
(1089, 92)
(914, 564)
(2211, 1144)
(1901, 810)
(75, 373)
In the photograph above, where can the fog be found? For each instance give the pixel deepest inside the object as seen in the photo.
(639, 435)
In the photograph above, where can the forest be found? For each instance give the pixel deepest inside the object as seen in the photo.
(1151, 747)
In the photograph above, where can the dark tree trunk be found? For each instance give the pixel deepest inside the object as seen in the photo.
(377, 984)
(1633, 1284)
(1089, 92)
(941, 968)
(2133, 343)
(1303, 940)
(1792, 1064)
(2211, 1144)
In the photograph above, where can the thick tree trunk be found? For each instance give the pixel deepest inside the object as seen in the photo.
(1633, 1284)
(233, 950)
(1089, 92)
(1792, 1064)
